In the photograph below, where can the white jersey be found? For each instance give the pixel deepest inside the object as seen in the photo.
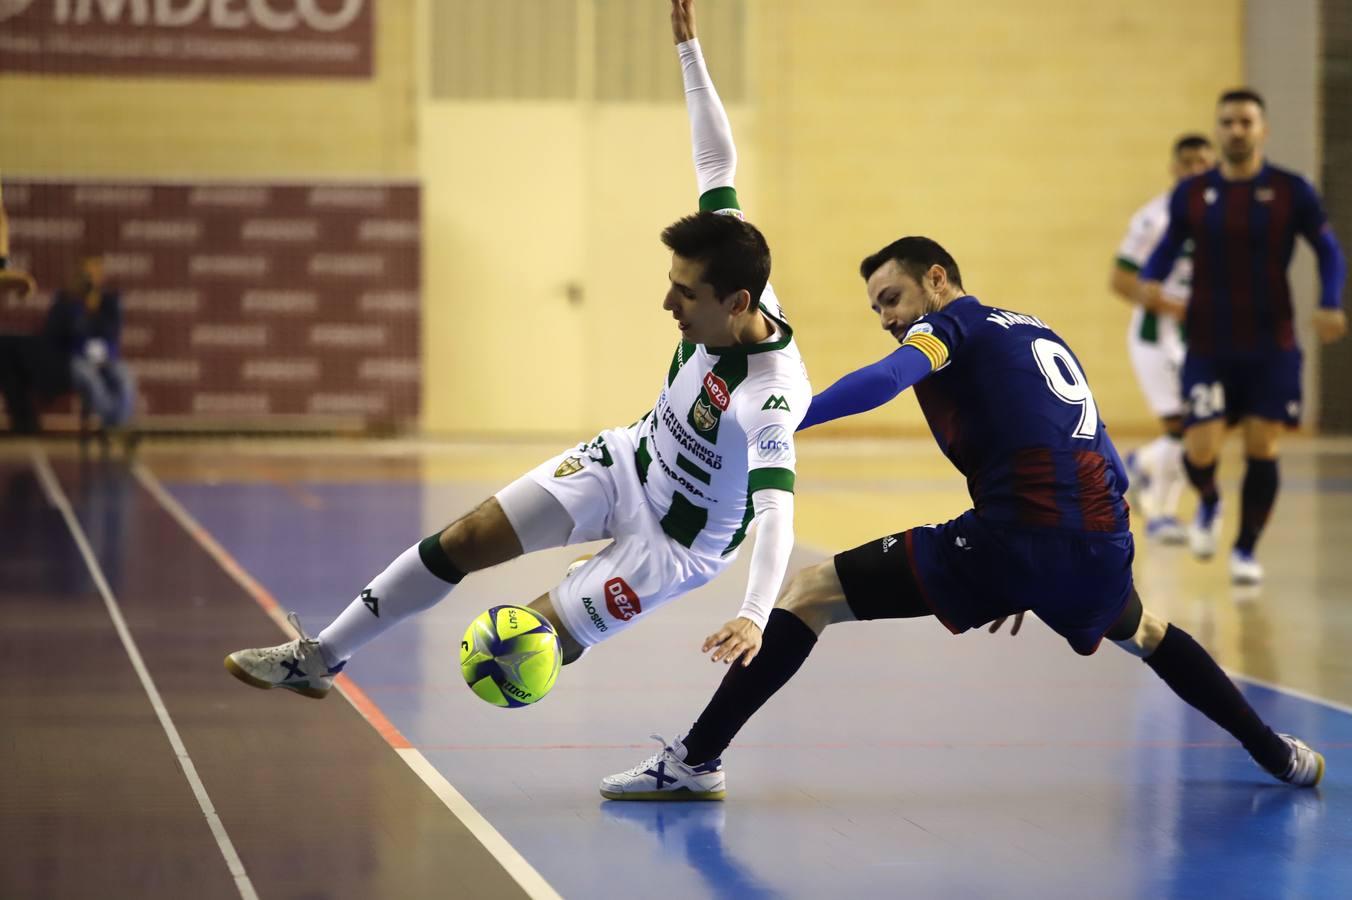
(1143, 236)
(721, 430)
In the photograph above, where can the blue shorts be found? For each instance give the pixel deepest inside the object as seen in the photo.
(971, 571)
(1266, 386)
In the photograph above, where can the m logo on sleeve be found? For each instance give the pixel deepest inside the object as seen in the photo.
(777, 402)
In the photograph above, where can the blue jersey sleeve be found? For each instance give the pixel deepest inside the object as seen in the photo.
(1314, 225)
(1162, 259)
(928, 346)
(869, 387)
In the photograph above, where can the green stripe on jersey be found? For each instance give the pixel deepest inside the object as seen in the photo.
(684, 351)
(718, 199)
(684, 520)
(643, 459)
(1150, 328)
(741, 532)
(684, 464)
(779, 479)
(1128, 265)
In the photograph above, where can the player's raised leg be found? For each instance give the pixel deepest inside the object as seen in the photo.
(416, 580)
(1194, 676)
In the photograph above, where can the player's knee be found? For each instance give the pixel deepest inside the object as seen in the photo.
(1146, 637)
(481, 538)
(812, 594)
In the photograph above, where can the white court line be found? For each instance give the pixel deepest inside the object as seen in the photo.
(1298, 694)
(52, 488)
(511, 860)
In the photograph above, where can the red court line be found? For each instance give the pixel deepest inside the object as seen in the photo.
(263, 597)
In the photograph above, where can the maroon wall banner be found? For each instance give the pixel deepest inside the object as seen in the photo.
(317, 38)
(259, 305)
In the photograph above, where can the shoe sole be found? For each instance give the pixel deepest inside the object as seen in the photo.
(1318, 776)
(677, 796)
(235, 669)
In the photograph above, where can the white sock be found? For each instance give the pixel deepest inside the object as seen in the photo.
(1171, 475)
(404, 588)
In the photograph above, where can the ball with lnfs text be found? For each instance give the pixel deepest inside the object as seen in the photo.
(510, 656)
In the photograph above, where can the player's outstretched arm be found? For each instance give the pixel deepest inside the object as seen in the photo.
(1150, 284)
(870, 387)
(715, 153)
(1330, 322)
(741, 637)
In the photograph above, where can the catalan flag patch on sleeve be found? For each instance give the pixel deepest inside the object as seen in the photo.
(934, 349)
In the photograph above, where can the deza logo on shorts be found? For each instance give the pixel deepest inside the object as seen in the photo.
(621, 600)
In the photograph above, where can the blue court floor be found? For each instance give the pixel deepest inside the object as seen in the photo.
(901, 761)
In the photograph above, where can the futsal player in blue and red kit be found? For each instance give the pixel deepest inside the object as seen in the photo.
(1011, 407)
(1243, 365)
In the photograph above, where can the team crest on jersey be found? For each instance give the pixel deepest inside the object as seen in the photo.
(718, 391)
(1210, 195)
(1264, 194)
(570, 466)
(703, 415)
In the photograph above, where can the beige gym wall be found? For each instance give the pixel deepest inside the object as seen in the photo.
(216, 128)
(1020, 135)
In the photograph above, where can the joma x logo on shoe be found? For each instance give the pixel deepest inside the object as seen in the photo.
(621, 600)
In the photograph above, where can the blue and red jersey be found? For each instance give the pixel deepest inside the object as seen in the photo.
(1243, 234)
(1011, 408)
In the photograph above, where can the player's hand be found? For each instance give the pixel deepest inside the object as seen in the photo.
(1152, 298)
(16, 280)
(1330, 324)
(738, 639)
(683, 20)
(1018, 623)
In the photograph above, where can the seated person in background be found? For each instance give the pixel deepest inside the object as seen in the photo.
(85, 324)
(11, 279)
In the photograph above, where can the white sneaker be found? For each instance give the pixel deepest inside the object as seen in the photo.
(1205, 531)
(665, 776)
(1166, 530)
(1244, 569)
(1307, 765)
(296, 665)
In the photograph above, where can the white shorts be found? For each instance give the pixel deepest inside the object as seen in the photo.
(1158, 366)
(597, 484)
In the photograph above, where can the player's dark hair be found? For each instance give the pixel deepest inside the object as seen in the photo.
(733, 252)
(1190, 141)
(1242, 95)
(915, 255)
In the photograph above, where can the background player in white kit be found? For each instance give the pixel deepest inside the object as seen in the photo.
(675, 492)
(1155, 343)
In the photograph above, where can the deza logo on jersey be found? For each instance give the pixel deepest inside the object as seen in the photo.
(718, 391)
(621, 600)
(271, 15)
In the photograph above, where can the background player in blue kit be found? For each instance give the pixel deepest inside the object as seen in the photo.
(1243, 364)
(1010, 406)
